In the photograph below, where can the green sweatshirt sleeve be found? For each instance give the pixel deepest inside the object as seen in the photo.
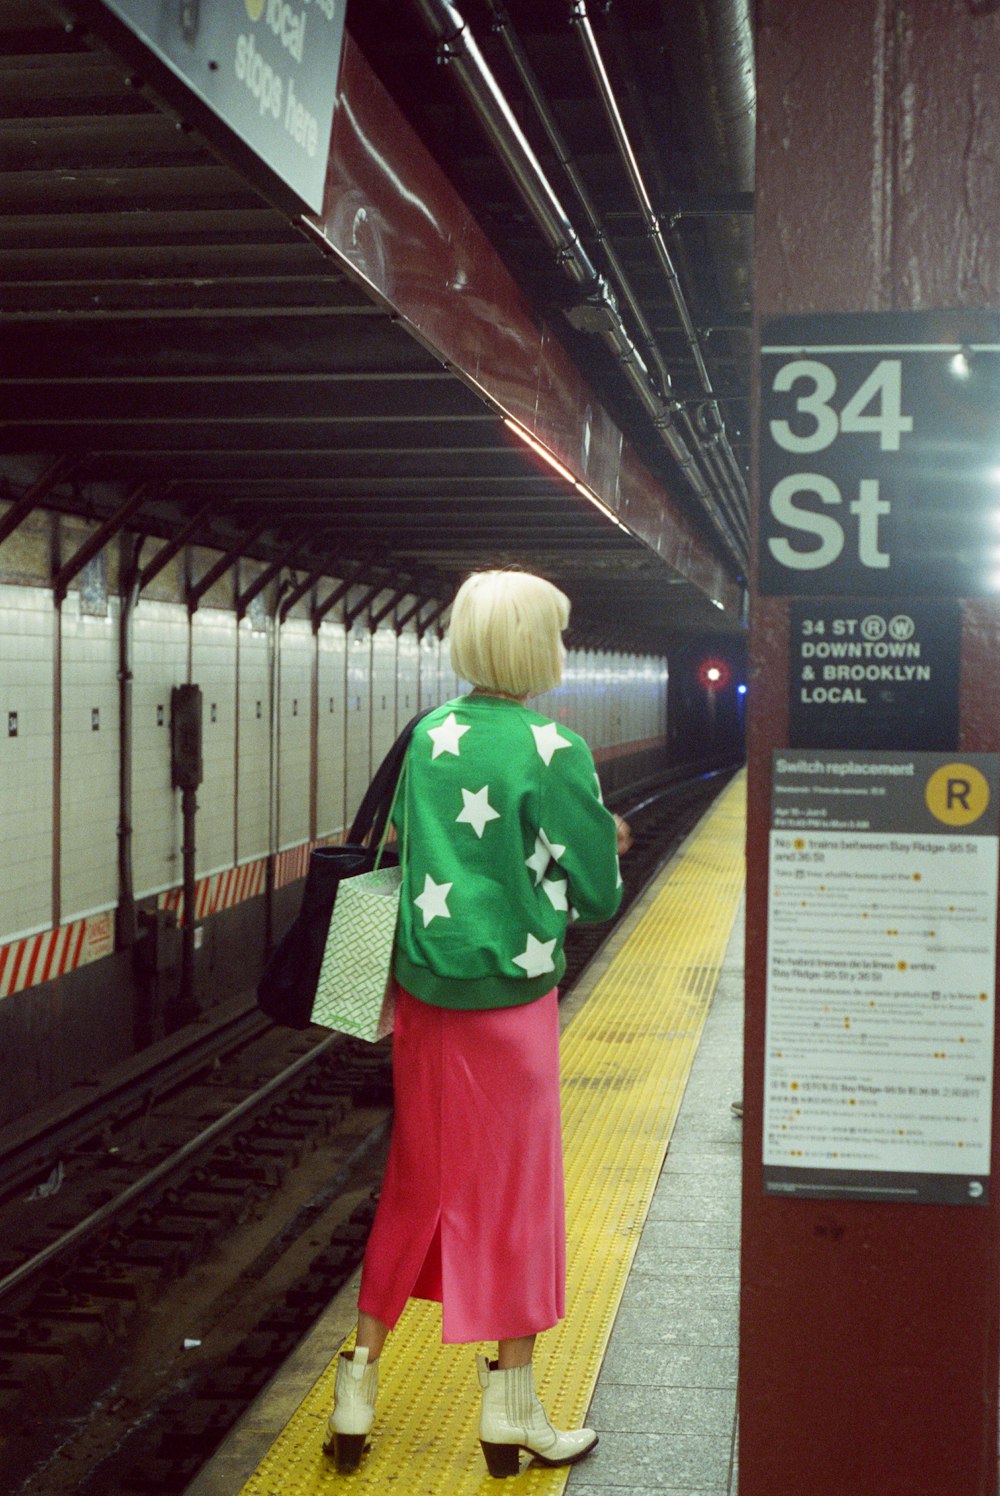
(576, 823)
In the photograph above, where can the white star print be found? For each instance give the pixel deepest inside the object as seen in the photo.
(548, 741)
(554, 850)
(446, 737)
(477, 810)
(540, 857)
(538, 861)
(556, 891)
(536, 958)
(434, 900)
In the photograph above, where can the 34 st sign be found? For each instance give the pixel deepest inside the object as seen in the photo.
(880, 455)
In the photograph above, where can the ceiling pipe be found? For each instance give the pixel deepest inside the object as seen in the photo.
(598, 311)
(705, 442)
(717, 92)
(529, 82)
(725, 460)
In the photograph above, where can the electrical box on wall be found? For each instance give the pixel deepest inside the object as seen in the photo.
(185, 737)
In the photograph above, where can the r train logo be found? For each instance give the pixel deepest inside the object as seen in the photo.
(957, 794)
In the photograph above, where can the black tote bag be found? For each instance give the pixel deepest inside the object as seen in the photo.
(287, 987)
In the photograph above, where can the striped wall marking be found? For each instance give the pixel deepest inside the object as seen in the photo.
(55, 953)
(220, 891)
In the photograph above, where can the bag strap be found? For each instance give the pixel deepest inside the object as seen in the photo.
(373, 812)
(400, 786)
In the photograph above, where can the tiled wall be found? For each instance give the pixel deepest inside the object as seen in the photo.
(160, 661)
(331, 818)
(89, 788)
(429, 658)
(407, 677)
(26, 782)
(363, 687)
(383, 695)
(213, 668)
(295, 675)
(254, 754)
(359, 658)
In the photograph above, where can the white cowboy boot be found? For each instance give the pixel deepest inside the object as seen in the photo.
(513, 1419)
(353, 1409)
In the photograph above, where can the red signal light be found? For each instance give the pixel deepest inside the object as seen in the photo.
(714, 675)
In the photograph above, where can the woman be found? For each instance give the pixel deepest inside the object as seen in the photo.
(505, 840)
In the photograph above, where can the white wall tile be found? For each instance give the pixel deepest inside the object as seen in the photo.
(160, 661)
(331, 769)
(89, 792)
(407, 677)
(27, 624)
(358, 748)
(296, 656)
(383, 693)
(430, 671)
(253, 774)
(213, 668)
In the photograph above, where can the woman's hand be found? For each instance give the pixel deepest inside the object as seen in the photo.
(624, 834)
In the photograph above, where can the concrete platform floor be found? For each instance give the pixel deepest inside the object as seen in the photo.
(665, 1404)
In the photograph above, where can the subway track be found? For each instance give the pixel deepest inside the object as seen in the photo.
(129, 1342)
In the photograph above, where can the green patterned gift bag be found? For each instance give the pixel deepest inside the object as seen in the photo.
(356, 990)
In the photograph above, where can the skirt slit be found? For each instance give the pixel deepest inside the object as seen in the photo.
(472, 1207)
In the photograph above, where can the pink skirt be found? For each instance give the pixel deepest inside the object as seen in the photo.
(472, 1208)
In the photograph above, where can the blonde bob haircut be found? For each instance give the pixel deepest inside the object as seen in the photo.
(505, 632)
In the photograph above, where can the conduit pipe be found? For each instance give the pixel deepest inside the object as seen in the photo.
(726, 461)
(542, 108)
(599, 312)
(131, 586)
(717, 92)
(705, 442)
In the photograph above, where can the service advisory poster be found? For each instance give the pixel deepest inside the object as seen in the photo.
(881, 962)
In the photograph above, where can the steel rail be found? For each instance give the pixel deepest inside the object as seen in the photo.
(32, 1266)
(135, 1091)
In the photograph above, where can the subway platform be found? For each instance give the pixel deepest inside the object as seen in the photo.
(651, 1061)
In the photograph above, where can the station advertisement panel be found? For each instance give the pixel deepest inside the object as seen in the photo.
(267, 68)
(880, 975)
(879, 455)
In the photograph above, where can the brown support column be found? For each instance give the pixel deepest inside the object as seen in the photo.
(869, 1335)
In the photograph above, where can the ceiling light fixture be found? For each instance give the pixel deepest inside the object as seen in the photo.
(564, 472)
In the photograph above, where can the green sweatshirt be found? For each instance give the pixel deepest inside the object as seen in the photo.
(505, 840)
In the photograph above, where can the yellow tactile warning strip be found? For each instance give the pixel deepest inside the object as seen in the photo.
(625, 1062)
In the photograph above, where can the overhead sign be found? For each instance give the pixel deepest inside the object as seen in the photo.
(880, 455)
(882, 929)
(867, 674)
(267, 68)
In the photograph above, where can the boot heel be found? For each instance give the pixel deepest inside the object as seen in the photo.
(501, 1459)
(348, 1448)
